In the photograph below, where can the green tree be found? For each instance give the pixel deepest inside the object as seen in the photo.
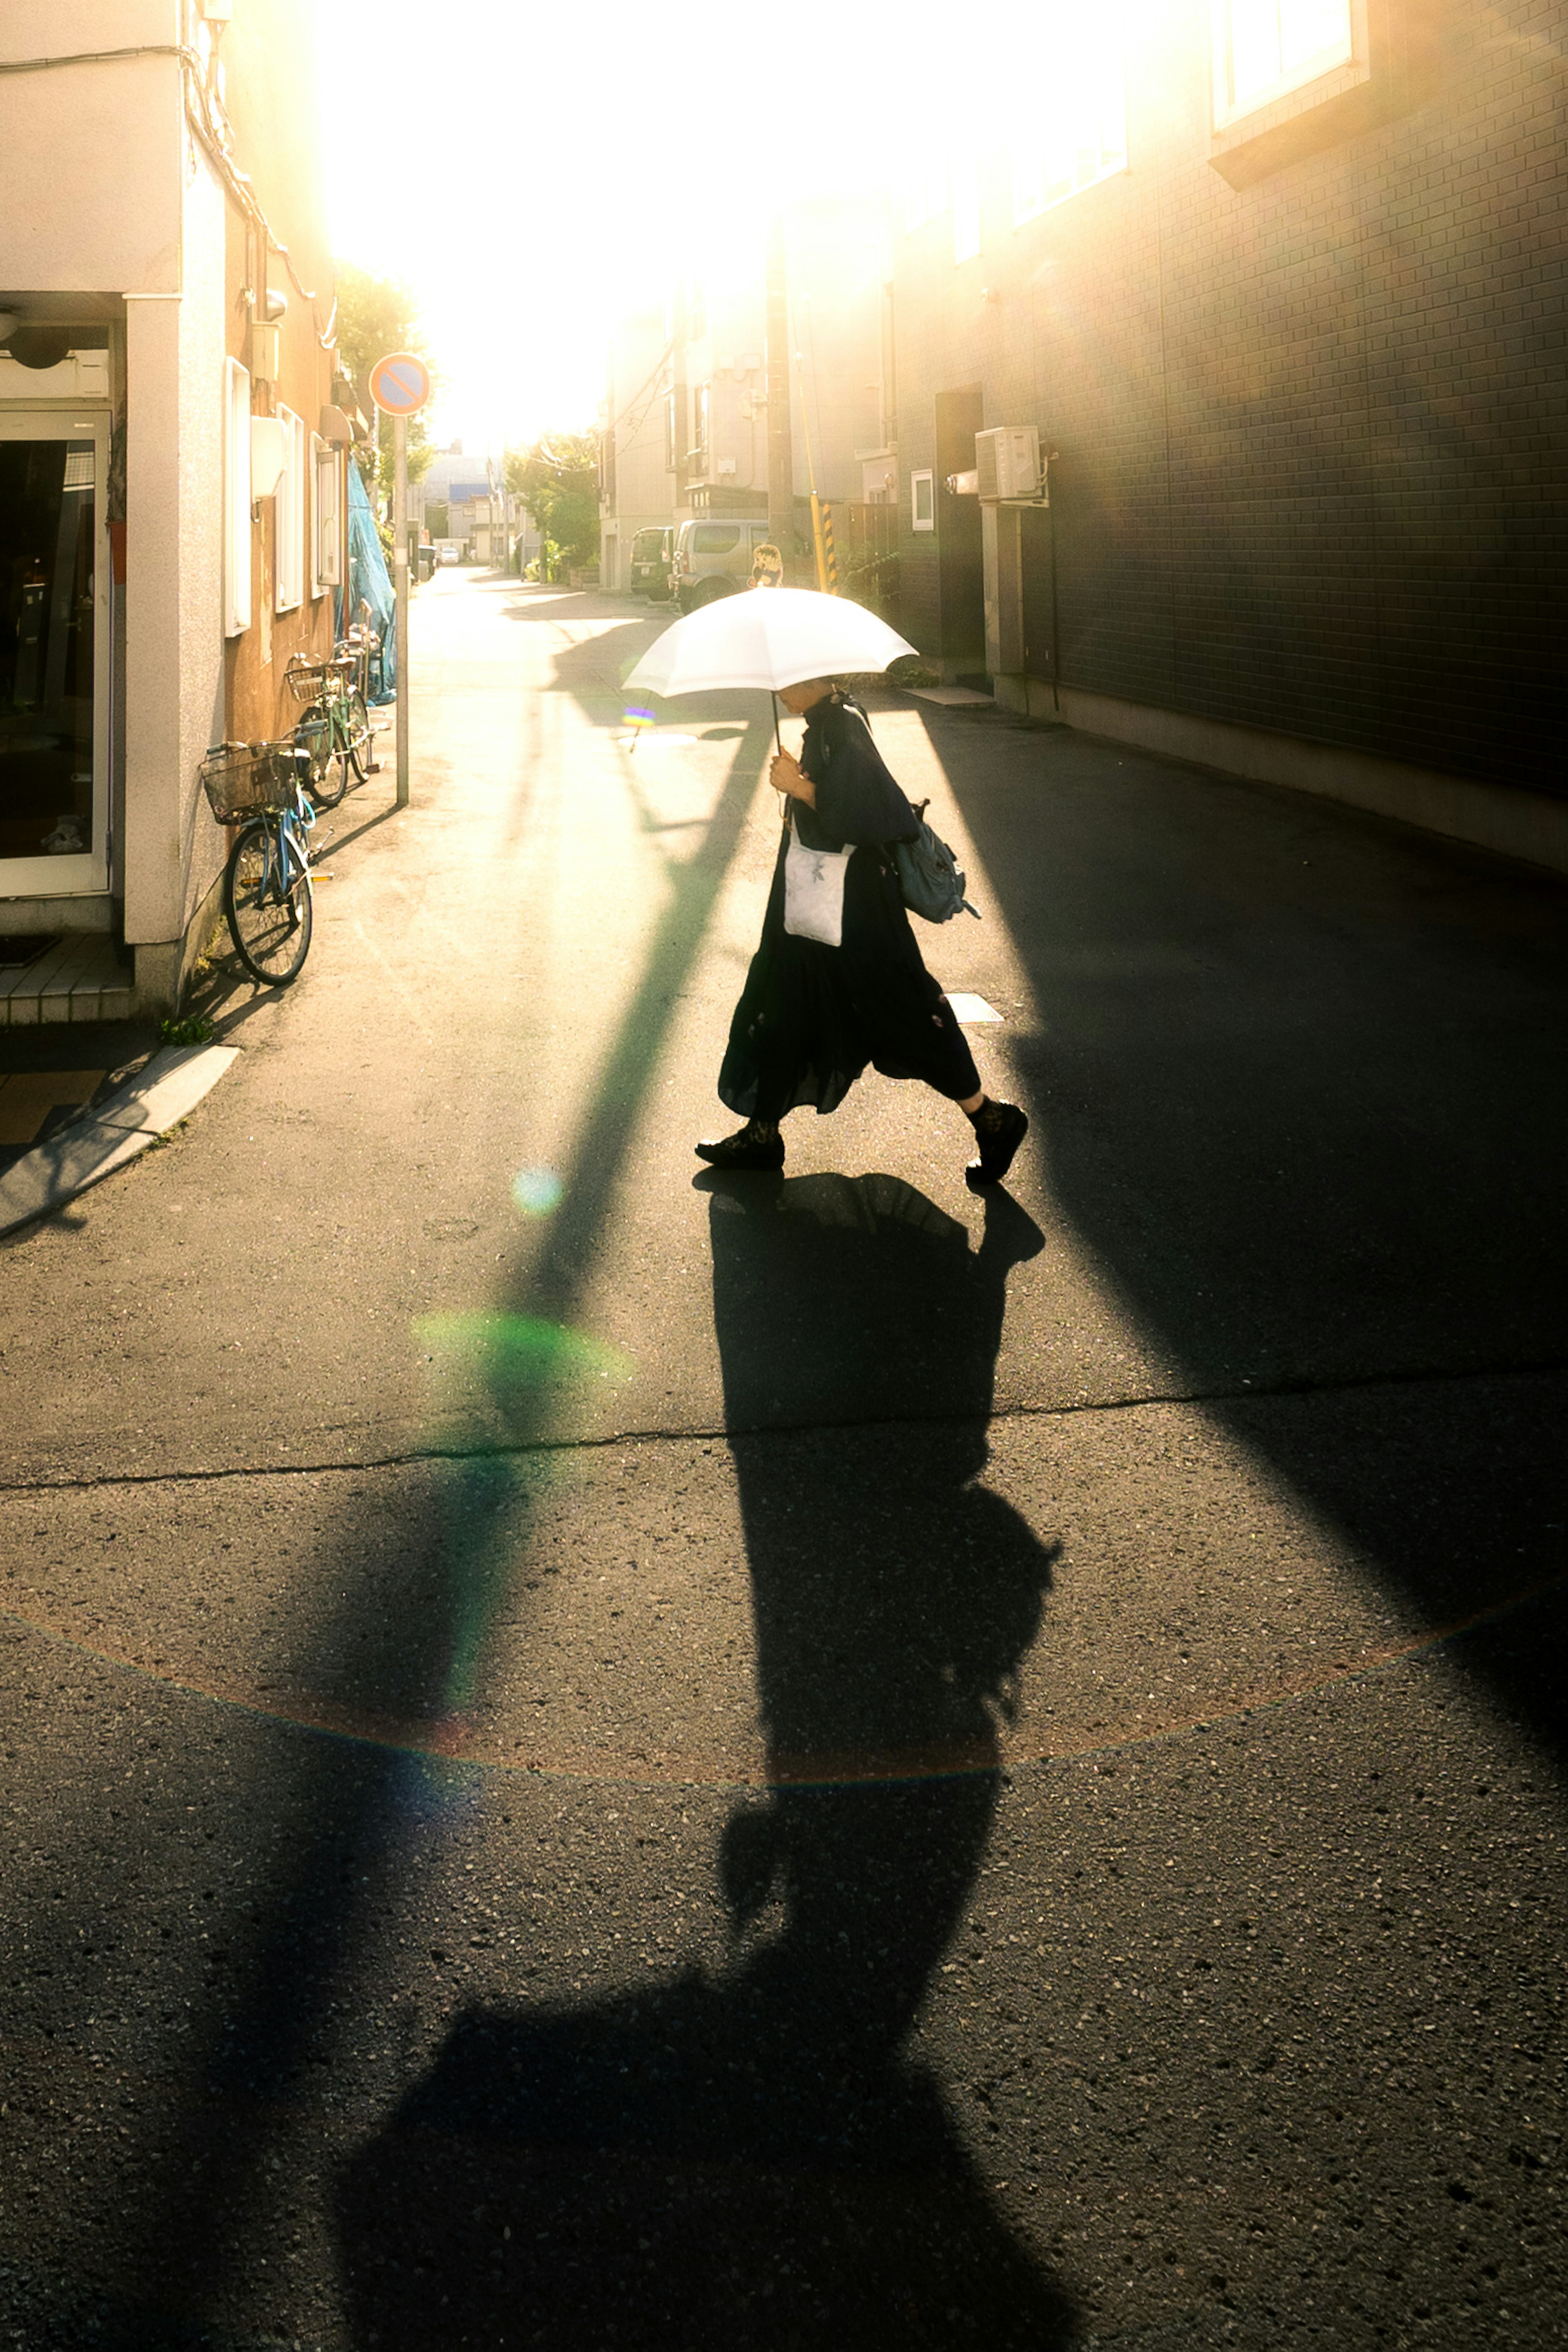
(558, 481)
(377, 315)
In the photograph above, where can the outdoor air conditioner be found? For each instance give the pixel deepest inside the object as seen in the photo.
(1006, 459)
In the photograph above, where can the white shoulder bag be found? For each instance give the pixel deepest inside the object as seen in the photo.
(814, 891)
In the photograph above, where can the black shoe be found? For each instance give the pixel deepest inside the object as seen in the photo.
(999, 1128)
(744, 1150)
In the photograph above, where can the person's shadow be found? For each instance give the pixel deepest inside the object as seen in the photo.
(755, 2156)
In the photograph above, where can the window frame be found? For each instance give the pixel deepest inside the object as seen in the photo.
(236, 499)
(325, 463)
(1227, 111)
(927, 197)
(1025, 156)
(927, 475)
(288, 518)
(964, 197)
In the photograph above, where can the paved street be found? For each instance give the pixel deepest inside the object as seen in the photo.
(602, 1756)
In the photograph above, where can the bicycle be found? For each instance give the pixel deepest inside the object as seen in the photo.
(362, 644)
(335, 732)
(268, 899)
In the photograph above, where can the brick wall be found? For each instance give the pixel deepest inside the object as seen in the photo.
(1310, 430)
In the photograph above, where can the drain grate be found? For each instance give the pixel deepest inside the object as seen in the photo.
(20, 948)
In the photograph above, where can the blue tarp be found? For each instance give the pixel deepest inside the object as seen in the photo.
(370, 583)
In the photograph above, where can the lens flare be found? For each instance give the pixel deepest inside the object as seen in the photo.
(521, 1349)
(536, 1191)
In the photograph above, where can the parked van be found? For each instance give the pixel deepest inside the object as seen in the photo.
(713, 558)
(648, 573)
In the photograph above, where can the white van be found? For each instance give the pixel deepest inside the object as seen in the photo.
(713, 558)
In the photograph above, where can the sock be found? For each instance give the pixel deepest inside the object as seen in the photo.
(987, 1118)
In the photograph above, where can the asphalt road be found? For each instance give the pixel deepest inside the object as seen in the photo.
(597, 1756)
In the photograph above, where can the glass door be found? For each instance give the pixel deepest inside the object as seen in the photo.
(54, 655)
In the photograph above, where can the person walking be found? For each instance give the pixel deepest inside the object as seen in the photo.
(838, 979)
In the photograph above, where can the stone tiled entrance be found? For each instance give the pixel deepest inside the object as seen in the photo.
(81, 978)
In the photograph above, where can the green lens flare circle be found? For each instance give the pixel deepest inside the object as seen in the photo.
(536, 1191)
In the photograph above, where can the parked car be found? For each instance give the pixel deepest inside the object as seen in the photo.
(446, 555)
(713, 558)
(648, 573)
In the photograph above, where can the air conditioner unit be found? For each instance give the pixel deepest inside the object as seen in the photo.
(1006, 459)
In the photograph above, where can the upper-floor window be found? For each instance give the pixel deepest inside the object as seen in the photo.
(288, 513)
(236, 499)
(326, 515)
(926, 192)
(701, 410)
(1076, 132)
(965, 184)
(1264, 47)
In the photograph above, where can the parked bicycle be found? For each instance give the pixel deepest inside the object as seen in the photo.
(362, 644)
(335, 732)
(267, 895)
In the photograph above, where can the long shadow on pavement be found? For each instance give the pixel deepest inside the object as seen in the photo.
(406, 1634)
(754, 2157)
(1297, 1084)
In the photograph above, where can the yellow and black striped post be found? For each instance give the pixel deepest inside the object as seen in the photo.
(829, 559)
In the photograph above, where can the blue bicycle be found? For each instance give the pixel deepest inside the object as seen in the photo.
(267, 894)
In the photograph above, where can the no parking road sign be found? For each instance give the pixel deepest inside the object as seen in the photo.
(400, 383)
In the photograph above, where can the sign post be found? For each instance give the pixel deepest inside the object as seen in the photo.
(399, 595)
(400, 386)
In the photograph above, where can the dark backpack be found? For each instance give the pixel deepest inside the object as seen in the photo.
(929, 877)
(928, 874)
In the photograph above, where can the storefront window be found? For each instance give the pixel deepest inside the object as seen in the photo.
(48, 498)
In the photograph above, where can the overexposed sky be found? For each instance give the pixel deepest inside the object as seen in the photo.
(532, 170)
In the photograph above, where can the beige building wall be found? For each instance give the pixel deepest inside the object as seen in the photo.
(106, 195)
(91, 156)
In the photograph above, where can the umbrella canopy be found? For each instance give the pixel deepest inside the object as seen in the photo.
(768, 637)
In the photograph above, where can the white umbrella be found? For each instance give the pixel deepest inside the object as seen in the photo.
(768, 637)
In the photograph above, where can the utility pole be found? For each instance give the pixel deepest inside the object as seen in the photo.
(781, 449)
(400, 386)
(821, 528)
(400, 591)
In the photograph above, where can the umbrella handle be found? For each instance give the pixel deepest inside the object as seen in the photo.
(778, 739)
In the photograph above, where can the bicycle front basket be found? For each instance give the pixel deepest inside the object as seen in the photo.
(309, 680)
(244, 779)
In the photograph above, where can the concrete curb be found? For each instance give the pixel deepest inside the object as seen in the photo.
(170, 1085)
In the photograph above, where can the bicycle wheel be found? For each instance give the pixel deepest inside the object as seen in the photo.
(328, 778)
(270, 925)
(360, 735)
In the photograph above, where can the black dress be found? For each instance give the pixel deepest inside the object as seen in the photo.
(810, 1017)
